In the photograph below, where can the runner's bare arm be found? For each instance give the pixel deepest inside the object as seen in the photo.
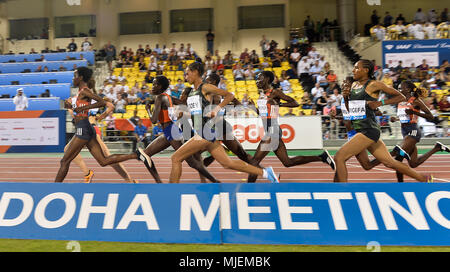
(88, 93)
(377, 86)
(109, 108)
(290, 102)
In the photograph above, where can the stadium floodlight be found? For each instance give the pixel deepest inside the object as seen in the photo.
(73, 2)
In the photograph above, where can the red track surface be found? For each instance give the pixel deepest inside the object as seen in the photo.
(45, 169)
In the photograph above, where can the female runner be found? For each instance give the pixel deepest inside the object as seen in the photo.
(361, 100)
(268, 107)
(164, 114)
(89, 174)
(85, 134)
(408, 113)
(202, 118)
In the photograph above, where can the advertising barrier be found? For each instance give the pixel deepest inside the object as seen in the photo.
(32, 131)
(414, 51)
(88, 55)
(286, 213)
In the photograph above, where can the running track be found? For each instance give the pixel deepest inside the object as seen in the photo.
(44, 170)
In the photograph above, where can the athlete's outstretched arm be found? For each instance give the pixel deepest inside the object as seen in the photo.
(290, 102)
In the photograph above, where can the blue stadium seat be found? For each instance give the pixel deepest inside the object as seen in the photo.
(88, 55)
(52, 103)
(19, 67)
(36, 78)
(57, 90)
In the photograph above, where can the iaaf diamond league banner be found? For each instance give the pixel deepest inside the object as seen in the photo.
(287, 213)
(415, 51)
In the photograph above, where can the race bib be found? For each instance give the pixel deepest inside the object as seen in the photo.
(194, 104)
(356, 111)
(262, 107)
(401, 113)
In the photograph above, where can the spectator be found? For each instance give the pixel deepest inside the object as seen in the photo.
(444, 15)
(120, 104)
(140, 132)
(335, 99)
(210, 41)
(254, 59)
(401, 29)
(303, 68)
(244, 55)
(46, 93)
(399, 18)
(110, 51)
(432, 16)
(321, 102)
(223, 83)
(134, 119)
(264, 44)
(143, 96)
(132, 97)
(387, 21)
(157, 131)
(179, 87)
(379, 32)
(306, 101)
(331, 77)
(32, 51)
(72, 46)
(430, 30)
(374, 19)
(285, 85)
(238, 73)
(316, 92)
(322, 80)
(142, 66)
(444, 104)
(309, 26)
(86, 45)
(420, 16)
(383, 120)
(111, 132)
(147, 51)
(291, 72)
(20, 100)
(295, 56)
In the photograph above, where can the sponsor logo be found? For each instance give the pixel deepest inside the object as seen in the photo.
(253, 134)
(389, 46)
(403, 46)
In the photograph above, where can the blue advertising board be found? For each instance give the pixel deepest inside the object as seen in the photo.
(415, 51)
(287, 213)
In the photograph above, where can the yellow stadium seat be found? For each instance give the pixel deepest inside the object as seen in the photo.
(140, 107)
(130, 107)
(307, 111)
(117, 115)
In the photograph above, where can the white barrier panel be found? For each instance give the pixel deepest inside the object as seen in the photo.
(298, 132)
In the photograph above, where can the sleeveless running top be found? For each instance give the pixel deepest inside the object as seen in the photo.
(361, 115)
(401, 112)
(77, 103)
(267, 110)
(167, 115)
(197, 103)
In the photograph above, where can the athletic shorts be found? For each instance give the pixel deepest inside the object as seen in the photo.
(350, 134)
(412, 130)
(172, 132)
(84, 130)
(371, 133)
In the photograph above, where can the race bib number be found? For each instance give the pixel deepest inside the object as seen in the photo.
(401, 113)
(194, 104)
(356, 111)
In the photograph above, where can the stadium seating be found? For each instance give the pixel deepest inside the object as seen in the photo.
(50, 103)
(19, 67)
(57, 90)
(88, 55)
(36, 78)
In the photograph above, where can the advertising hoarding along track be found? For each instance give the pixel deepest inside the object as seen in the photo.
(290, 213)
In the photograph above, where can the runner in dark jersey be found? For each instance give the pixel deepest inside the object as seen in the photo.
(202, 119)
(407, 113)
(268, 107)
(164, 113)
(85, 133)
(361, 100)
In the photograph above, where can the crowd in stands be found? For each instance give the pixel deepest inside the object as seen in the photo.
(421, 26)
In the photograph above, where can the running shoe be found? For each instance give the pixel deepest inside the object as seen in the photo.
(430, 179)
(88, 177)
(401, 152)
(271, 176)
(328, 159)
(442, 147)
(135, 181)
(143, 157)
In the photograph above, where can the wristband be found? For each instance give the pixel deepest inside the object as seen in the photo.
(382, 102)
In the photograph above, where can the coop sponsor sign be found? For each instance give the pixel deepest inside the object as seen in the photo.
(290, 213)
